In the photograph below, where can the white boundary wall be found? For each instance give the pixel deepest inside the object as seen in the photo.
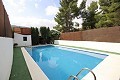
(18, 38)
(106, 46)
(6, 57)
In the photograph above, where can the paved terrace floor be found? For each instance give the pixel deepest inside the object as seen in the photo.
(19, 67)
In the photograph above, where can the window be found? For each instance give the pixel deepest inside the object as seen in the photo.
(24, 38)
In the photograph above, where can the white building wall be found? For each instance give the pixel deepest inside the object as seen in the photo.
(6, 57)
(18, 38)
(106, 46)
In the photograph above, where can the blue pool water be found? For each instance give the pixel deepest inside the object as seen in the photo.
(58, 63)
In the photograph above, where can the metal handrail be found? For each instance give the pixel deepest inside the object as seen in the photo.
(72, 76)
(89, 71)
(76, 77)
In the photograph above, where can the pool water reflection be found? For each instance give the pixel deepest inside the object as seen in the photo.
(59, 63)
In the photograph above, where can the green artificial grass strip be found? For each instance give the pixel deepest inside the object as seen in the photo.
(92, 49)
(19, 68)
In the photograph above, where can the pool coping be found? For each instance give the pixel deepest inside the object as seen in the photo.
(85, 50)
(108, 69)
(91, 49)
(35, 71)
(112, 67)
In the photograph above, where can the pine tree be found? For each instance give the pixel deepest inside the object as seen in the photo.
(58, 27)
(109, 16)
(88, 15)
(67, 12)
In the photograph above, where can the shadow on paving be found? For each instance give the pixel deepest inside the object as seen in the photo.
(19, 68)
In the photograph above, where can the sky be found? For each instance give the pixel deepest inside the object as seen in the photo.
(34, 13)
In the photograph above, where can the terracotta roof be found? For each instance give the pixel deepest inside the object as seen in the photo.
(17, 30)
(23, 31)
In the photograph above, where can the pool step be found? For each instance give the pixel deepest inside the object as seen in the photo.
(76, 77)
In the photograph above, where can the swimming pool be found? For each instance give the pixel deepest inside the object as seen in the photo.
(58, 62)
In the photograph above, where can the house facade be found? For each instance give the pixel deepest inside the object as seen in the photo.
(22, 36)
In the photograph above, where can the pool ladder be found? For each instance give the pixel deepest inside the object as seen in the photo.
(76, 77)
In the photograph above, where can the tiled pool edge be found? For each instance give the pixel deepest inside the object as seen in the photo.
(108, 69)
(90, 49)
(87, 50)
(35, 71)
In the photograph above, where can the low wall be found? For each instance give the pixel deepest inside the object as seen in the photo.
(112, 47)
(111, 34)
(18, 38)
(76, 36)
(6, 57)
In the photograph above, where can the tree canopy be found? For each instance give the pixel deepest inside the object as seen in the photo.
(106, 15)
(35, 35)
(68, 10)
(88, 15)
(109, 16)
(47, 36)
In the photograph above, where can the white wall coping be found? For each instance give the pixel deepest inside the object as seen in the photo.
(104, 46)
(34, 69)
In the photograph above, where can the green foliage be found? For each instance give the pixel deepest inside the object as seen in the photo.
(55, 34)
(110, 10)
(76, 24)
(93, 7)
(45, 34)
(46, 37)
(48, 34)
(88, 15)
(83, 5)
(35, 36)
(108, 15)
(43, 31)
(67, 12)
(58, 27)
